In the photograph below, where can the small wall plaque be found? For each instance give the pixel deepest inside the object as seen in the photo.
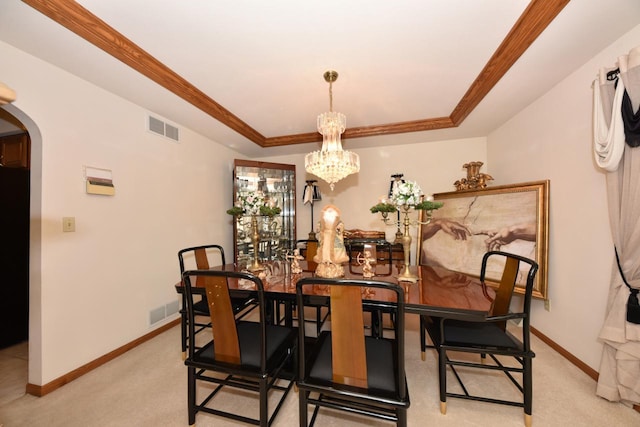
(99, 181)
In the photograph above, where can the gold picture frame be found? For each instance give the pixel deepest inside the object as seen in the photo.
(511, 218)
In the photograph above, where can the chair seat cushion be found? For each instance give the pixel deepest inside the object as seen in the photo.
(279, 340)
(460, 333)
(381, 365)
(201, 307)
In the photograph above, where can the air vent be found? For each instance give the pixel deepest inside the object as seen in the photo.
(159, 127)
(171, 132)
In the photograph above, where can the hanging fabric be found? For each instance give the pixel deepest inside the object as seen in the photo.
(619, 372)
(608, 130)
(631, 122)
(633, 306)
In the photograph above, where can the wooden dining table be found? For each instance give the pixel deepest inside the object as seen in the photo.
(438, 292)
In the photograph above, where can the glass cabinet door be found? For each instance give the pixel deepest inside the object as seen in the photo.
(277, 184)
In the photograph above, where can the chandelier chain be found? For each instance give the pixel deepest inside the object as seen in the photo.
(330, 96)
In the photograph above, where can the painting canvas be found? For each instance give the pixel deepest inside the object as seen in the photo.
(510, 218)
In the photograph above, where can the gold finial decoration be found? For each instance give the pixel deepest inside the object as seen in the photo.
(475, 179)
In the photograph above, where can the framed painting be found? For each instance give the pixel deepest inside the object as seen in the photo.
(510, 218)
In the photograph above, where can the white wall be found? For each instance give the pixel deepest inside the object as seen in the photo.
(551, 139)
(98, 284)
(435, 166)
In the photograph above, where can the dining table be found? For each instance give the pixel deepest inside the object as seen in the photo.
(438, 292)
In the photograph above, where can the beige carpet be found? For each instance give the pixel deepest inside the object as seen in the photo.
(147, 387)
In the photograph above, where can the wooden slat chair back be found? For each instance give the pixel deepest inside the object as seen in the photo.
(312, 249)
(202, 263)
(502, 300)
(223, 321)
(347, 326)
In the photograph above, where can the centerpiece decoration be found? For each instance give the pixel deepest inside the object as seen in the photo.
(406, 196)
(250, 205)
(331, 254)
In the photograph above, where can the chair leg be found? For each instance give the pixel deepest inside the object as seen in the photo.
(423, 340)
(264, 407)
(302, 403)
(318, 320)
(191, 395)
(402, 417)
(376, 323)
(442, 374)
(183, 330)
(527, 390)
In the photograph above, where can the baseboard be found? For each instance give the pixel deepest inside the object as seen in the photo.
(41, 390)
(570, 357)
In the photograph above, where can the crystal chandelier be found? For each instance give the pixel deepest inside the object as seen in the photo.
(331, 163)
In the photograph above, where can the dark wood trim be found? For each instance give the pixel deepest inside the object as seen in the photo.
(263, 165)
(41, 390)
(79, 20)
(359, 132)
(537, 16)
(570, 357)
(533, 21)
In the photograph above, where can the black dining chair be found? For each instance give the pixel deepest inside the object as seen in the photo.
(309, 247)
(344, 369)
(254, 356)
(202, 258)
(454, 337)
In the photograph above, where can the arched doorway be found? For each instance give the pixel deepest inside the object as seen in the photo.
(14, 226)
(33, 216)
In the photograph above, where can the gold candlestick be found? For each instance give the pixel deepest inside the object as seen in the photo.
(406, 275)
(255, 238)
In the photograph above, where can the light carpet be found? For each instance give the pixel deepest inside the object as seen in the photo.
(147, 387)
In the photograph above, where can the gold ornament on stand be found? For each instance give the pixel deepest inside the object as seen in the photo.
(475, 179)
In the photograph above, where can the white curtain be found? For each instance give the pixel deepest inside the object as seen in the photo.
(619, 374)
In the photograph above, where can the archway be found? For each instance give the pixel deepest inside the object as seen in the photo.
(35, 201)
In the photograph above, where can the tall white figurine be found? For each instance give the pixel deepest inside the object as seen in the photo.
(331, 251)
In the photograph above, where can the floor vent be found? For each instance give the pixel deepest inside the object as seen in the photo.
(162, 312)
(157, 315)
(159, 127)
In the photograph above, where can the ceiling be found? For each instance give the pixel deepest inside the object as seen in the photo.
(248, 74)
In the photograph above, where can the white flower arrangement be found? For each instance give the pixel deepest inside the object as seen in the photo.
(406, 193)
(253, 203)
(250, 202)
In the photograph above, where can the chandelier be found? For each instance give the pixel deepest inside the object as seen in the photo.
(331, 163)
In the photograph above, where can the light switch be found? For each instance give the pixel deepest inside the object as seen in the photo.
(68, 224)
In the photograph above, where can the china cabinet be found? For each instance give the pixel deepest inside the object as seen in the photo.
(276, 183)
